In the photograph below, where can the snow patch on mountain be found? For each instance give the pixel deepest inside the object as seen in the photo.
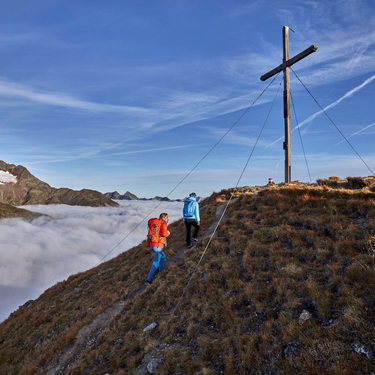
(6, 178)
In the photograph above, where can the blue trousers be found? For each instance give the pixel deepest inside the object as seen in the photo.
(158, 263)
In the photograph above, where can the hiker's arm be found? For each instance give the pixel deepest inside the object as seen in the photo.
(197, 217)
(164, 232)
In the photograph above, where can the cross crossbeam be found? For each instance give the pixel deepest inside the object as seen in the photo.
(290, 62)
(285, 67)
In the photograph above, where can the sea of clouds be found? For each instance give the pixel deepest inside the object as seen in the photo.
(35, 255)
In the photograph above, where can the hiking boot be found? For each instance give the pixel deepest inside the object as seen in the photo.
(189, 246)
(148, 282)
(195, 240)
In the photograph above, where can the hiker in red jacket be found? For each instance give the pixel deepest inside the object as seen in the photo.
(156, 240)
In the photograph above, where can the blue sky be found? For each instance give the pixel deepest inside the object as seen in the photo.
(130, 95)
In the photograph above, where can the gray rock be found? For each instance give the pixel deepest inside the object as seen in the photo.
(304, 317)
(153, 365)
(332, 323)
(361, 349)
(28, 303)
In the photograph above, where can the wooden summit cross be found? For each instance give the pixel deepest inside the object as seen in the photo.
(287, 63)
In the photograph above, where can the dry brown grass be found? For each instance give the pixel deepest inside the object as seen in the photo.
(280, 250)
(349, 183)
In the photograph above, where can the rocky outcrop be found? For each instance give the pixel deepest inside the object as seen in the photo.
(24, 188)
(8, 211)
(127, 196)
(164, 199)
(114, 195)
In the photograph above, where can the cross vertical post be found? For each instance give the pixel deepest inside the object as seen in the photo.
(285, 67)
(287, 143)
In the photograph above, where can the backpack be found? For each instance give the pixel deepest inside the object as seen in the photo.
(153, 234)
(188, 210)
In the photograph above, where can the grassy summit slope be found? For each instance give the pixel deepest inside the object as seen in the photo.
(286, 286)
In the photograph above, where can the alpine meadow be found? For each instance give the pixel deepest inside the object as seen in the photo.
(287, 285)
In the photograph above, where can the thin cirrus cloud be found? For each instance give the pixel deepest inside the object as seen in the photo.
(179, 108)
(349, 94)
(361, 50)
(35, 255)
(35, 38)
(79, 154)
(340, 50)
(14, 90)
(10, 39)
(100, 153)
(359, 131)
(176, 109)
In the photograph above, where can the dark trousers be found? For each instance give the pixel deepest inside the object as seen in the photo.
(188, 224)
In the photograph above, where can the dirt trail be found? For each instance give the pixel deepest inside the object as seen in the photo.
(90, 332)
(154, 359)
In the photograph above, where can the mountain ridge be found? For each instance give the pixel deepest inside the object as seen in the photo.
(18, 187)
(130, 196)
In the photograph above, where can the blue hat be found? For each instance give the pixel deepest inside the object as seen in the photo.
(192, 195)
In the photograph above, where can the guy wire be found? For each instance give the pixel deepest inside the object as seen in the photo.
(217, 225)
(332, 122)
(196, 165)
(300, 136)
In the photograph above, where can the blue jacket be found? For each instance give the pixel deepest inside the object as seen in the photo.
(195, 209)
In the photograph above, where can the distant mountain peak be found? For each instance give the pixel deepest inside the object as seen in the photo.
(19, 187)
(130, 196)
(116, 195)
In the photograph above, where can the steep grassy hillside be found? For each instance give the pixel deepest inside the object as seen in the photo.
(286, 286)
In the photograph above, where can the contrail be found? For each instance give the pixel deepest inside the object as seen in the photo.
(316, 114)
(357, 52)
(365, 45)
(99, 154)
(359, 131)
(12, 90)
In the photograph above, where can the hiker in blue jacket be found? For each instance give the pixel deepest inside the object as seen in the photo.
(191, 218)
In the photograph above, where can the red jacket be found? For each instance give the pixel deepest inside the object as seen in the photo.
(163, 233)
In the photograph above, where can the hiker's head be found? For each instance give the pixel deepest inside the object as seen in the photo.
(193, 195)
(164, 217)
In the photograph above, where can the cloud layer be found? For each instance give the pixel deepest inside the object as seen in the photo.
(35, 255)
